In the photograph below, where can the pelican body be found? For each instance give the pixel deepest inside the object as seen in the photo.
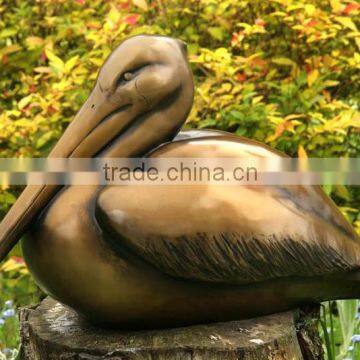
(158, 256)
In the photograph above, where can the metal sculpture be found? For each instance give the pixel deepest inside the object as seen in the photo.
(174, 255)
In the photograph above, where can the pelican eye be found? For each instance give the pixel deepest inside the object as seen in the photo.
(124, 78)
(128, 76)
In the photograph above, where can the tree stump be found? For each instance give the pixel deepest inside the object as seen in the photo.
(51, 331)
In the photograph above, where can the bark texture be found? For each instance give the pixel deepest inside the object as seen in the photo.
(51, 331)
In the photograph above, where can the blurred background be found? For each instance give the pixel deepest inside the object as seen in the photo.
(284, 72)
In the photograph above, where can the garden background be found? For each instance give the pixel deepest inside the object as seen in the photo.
(285, 72)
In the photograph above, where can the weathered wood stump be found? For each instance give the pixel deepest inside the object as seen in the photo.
(51, 331)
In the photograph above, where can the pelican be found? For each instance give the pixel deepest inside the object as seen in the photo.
(136, 257)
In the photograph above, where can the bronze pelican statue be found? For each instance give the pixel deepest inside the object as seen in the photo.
(140, 257)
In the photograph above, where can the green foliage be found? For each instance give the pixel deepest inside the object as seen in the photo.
(340, 320)
(285, 72)
(16, 287)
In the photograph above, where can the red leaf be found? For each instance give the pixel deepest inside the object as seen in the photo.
(308, 68)
(5, 59)
(80, 2)
(125, 5)
(51, 110)
(93, 26)
(260, 22)
(327, 95)
(32, 88)
(241, 77)
(132, 19)
(258, 63)
(18, 259)
(234, 38)
(26, 109)
(350, 8)
(43, 56)
(312, 23)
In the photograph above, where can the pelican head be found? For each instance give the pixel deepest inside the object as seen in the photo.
(142, 96)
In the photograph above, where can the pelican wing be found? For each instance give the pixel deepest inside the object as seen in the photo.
(229, 234)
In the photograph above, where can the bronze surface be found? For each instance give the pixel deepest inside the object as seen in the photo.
(142, 257)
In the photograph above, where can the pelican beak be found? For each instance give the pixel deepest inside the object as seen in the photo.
(91, 122)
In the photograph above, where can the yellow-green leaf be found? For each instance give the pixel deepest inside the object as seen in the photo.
(310, 9)
(302, 152)
(312, 77)
(55, 61)
(142, 4)
(346, 22)
(33, 41)
(12, 265)
(257, 99)
(335, 5)
(283, 61)
(43, 140)
(342, 192)
(330, 83)
(7, 33)
(10, 49)
(71, 62)
(42, 69)
(24, 101)
(216, 32)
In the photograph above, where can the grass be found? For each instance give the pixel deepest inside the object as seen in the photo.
(340, 328)
(9, 331)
